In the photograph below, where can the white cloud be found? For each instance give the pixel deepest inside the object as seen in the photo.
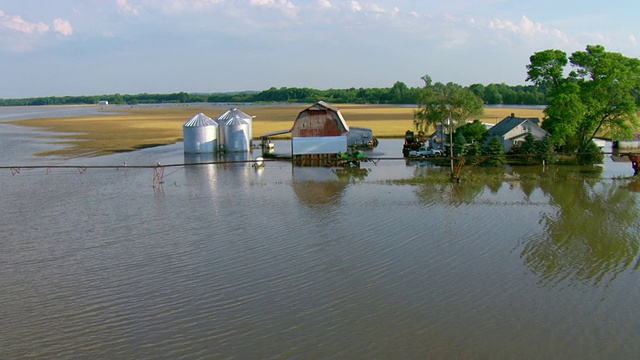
(375, 8)
(632, 40)
(63, 27)
(287, 7)
(17, 23)
(562, 36)
(503, 25)
(325, 4)
(355, 6)
(126, 8)
(20, 35)
(176, 6)
(528, 29)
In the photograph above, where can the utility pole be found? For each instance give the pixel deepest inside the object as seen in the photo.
(451, 141)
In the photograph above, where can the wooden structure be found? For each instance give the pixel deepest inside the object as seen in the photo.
(320, 119)
(635, 160)
(320, 133)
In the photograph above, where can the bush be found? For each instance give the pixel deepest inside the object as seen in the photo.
(494, 152)
(591, 155)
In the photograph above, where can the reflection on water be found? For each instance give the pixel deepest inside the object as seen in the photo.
(317, 186)
(201, 170)
(592, 235)
(634, 186)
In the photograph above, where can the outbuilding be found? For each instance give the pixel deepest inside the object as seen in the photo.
(238, 116)
(200, 135)
(318, 131)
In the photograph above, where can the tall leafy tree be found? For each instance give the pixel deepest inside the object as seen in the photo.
(473, 131)
(430, 112)
(599, 97)
(438, 103)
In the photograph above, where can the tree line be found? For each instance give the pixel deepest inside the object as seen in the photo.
(399, 93)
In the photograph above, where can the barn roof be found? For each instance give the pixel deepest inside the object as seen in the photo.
(320, 106)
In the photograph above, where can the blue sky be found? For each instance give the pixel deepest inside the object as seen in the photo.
(93, 47)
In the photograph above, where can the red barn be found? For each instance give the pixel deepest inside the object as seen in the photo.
(320, 119)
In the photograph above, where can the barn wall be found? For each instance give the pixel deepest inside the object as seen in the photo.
(313, 123)
(318, 145)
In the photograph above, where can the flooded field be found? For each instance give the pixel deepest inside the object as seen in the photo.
(230, 261)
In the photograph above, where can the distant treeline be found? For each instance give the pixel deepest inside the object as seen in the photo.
(399, 93)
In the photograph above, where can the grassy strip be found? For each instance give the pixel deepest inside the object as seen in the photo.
(138, 127)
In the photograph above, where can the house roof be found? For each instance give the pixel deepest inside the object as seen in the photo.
(509, 123)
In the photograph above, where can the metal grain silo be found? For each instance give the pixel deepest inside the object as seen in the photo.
(234, 113)
(235, 133)
(200, 135)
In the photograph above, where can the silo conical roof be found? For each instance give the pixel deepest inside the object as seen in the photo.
(235, 121)
(199, 120)
(233, 113)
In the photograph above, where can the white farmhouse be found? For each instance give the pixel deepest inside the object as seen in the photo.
(513, 130)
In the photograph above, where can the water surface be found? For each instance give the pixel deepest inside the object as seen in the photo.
(229, 261)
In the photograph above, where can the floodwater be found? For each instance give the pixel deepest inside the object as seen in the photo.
(230, 261)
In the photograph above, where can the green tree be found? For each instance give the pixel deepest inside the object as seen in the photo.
(528, 149)
(494, 152)
(430, 112)
(545, 150)
(599, 97)
(473, 131)
(399, 94)
(438, 103)
(477, 89)
(492, 95)
(474, 152)
(117, 99)
(459, 145)
(591, 155)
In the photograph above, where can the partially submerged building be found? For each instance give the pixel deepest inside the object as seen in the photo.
(231, 132)
(629, 145)
(200, 135)
(236, 128)
(512, 131)
(320, 131)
